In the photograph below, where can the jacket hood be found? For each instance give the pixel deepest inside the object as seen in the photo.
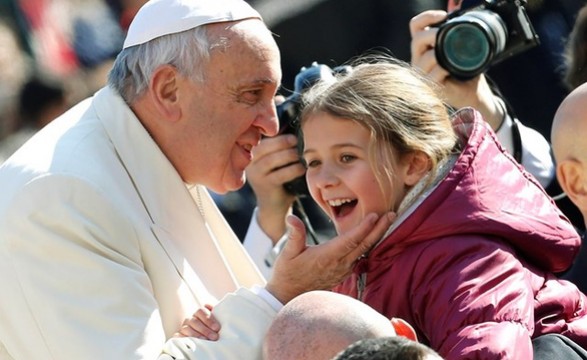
(487, 193)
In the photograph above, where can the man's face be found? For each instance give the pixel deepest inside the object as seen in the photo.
(226, 115)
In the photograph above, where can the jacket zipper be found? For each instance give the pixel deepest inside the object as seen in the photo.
(362, 281)
(361, 268)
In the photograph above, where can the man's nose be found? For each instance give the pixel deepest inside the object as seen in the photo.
(267, 120)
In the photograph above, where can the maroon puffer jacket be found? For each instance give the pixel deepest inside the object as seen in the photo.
(471, 268)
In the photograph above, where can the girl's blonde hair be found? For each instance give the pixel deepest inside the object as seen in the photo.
(400, 107)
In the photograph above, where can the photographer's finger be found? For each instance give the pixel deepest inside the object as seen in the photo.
(288, 173)
(438, 74)
(279, 99)
(425, 19)
(274, 144)
(422, 43)
(426, 62)
(283, 158)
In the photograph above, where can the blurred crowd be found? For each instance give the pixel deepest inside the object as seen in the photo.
(54, 53)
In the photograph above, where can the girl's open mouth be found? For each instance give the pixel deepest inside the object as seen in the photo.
(342, 207)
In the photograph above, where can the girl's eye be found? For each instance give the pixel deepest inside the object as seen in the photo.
(347, 158)
(311, 163)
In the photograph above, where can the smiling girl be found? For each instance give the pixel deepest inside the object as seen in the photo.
(469, 261)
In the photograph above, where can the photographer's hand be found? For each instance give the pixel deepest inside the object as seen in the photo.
(275, 162)
(475, 92)
(301, 268)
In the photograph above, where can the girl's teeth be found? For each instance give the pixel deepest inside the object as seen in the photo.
(338, 202)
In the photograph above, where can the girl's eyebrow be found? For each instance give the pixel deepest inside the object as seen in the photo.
(337, 146)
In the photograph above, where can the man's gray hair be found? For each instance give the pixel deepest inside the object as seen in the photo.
(188, 51)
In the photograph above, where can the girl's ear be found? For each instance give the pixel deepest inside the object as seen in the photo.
(164, 89)
(415, 166)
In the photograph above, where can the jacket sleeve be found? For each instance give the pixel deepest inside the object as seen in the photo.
(474, 300)
(245, 318)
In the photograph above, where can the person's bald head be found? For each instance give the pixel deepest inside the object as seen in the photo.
(319, 324)
(569, 127)
(568, 134)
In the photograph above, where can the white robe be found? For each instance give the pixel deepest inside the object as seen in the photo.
(104, 250)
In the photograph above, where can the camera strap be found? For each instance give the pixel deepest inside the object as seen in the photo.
(517, 137)
(509, 111)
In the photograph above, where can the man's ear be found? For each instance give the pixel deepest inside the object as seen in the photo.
(163, 89)
(571, 177)
(415, 164)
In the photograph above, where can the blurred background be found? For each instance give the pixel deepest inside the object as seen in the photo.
(53, 53)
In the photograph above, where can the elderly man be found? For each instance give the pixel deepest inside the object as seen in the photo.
(108, 236)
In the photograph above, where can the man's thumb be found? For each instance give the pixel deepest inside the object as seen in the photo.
(296, 238)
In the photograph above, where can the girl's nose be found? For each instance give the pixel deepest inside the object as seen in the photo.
(326, 177)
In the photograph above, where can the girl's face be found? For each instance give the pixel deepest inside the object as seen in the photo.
(340, 177)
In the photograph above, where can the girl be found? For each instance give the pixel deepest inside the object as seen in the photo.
(469, 261)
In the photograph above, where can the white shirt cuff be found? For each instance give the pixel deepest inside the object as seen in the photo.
(258, 245)
(267, 297)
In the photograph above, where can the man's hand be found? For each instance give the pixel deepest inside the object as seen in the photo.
(301, 268)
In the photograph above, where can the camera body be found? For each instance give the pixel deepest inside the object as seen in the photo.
(289, 111)
(477, 37)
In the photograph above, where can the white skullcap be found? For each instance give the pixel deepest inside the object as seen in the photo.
(163, 17)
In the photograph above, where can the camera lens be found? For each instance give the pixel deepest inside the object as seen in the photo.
(466, 45)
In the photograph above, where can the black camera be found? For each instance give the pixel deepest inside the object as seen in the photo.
(289, 111)
(477, 37)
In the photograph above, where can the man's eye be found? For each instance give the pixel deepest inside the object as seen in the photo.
(251, 96)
